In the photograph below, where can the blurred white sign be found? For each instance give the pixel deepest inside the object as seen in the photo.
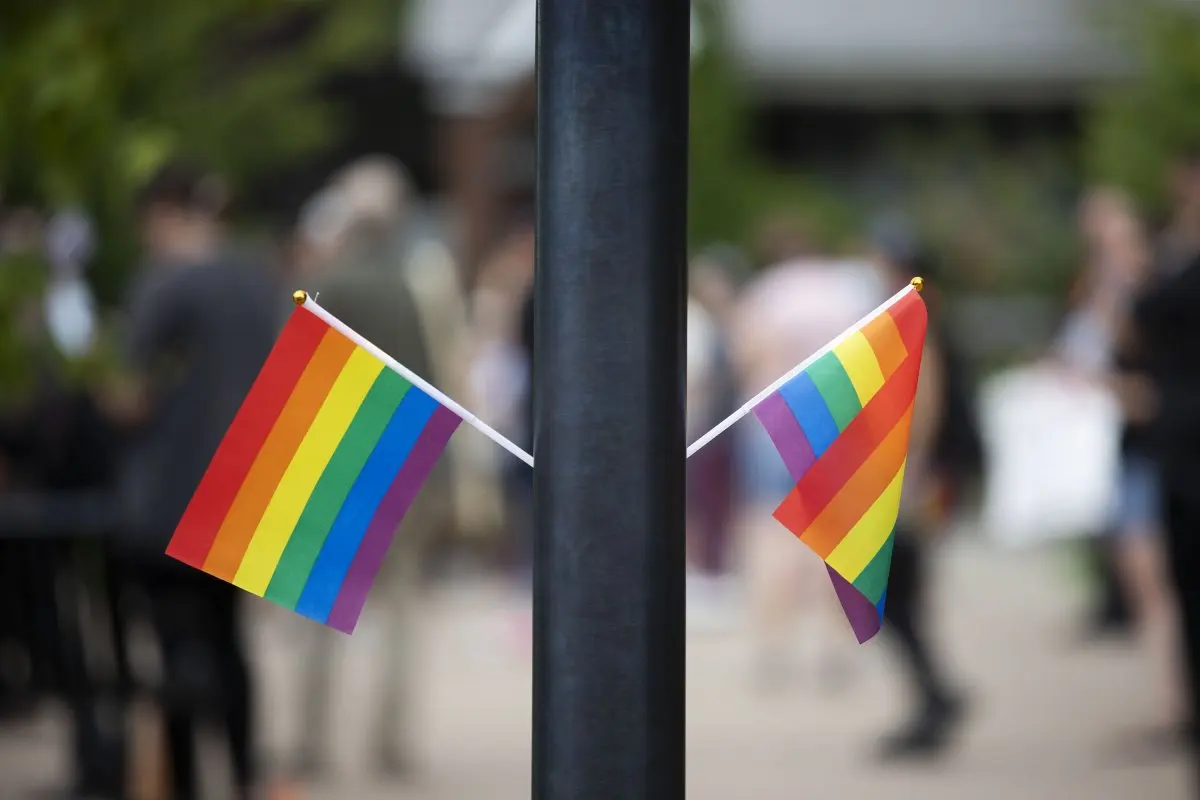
(1052, 449)
(69, 307)
(71, 316)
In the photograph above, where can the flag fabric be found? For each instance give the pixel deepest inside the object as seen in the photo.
(841, 424)
(322, 461)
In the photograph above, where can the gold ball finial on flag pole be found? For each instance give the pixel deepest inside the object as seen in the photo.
(918, 283)
(300, 297)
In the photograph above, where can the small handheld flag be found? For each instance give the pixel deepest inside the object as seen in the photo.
(841, 422)
(322, 461)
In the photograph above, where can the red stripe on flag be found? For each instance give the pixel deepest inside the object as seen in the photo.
(911, 318)
(859, 493)
(267, 397)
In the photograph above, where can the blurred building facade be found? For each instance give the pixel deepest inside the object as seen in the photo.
(863, 51)
(828, 80)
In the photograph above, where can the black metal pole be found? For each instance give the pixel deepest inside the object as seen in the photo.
(608, 715)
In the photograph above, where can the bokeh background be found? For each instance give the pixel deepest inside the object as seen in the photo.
(1017, 154)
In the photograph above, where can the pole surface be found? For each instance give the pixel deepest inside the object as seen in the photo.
(609, 666)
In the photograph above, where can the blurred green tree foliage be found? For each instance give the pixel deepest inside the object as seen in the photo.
(1137, 125)
(732, 188)
(997, 215)
(95, 95)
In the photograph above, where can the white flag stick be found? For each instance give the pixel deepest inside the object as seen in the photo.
(303, 299)
(728, 422)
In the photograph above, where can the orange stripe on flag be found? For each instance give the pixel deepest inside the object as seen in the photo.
(885, 340)
(849, 451)
(858, 494)
(285, 437)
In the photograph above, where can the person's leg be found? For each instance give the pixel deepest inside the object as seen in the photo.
(772, 558)
(116, 581)
(236, 686)
(937, 707)
(900, 611)
(174, 629)
(1109, 614)
(828, 637)
(702, 579)
(722, 511)
(1140, 560)
(396, 707)
(706, 510)
(708, 523)
(205, 667)
(904, 616)
(1141, 565)
(398, 592)
(772, 586)
(181, 753)
(1182, 526)
(316, 689)
(79, 686)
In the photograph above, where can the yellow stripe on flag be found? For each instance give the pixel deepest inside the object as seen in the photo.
(298, 481)
(863, 541)
(859, 361)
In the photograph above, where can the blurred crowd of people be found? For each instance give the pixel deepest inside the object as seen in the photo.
(107, 425)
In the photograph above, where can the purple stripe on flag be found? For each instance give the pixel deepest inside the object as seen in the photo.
(865, 618)
(781, 425)
(378, 538)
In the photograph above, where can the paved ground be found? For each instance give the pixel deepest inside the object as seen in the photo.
(1051, 721)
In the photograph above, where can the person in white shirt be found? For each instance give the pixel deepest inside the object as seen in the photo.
(789, 312)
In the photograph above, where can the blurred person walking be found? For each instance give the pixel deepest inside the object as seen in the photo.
(784, 315)
(436, 283)
(503, 326)
(1094, 342)
(367, 281)
(704, 509)
(503, 314)
(1167, 317)
(201, 323)
(1101, 342)
(712, 391)
(506, 331)
(59, 455)
(943, 451)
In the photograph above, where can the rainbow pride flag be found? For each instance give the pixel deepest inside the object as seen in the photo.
(841, 424)
(326, 454)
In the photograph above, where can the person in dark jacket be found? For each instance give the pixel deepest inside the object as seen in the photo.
(1167, 316)
(201, 323)
(944, 451)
